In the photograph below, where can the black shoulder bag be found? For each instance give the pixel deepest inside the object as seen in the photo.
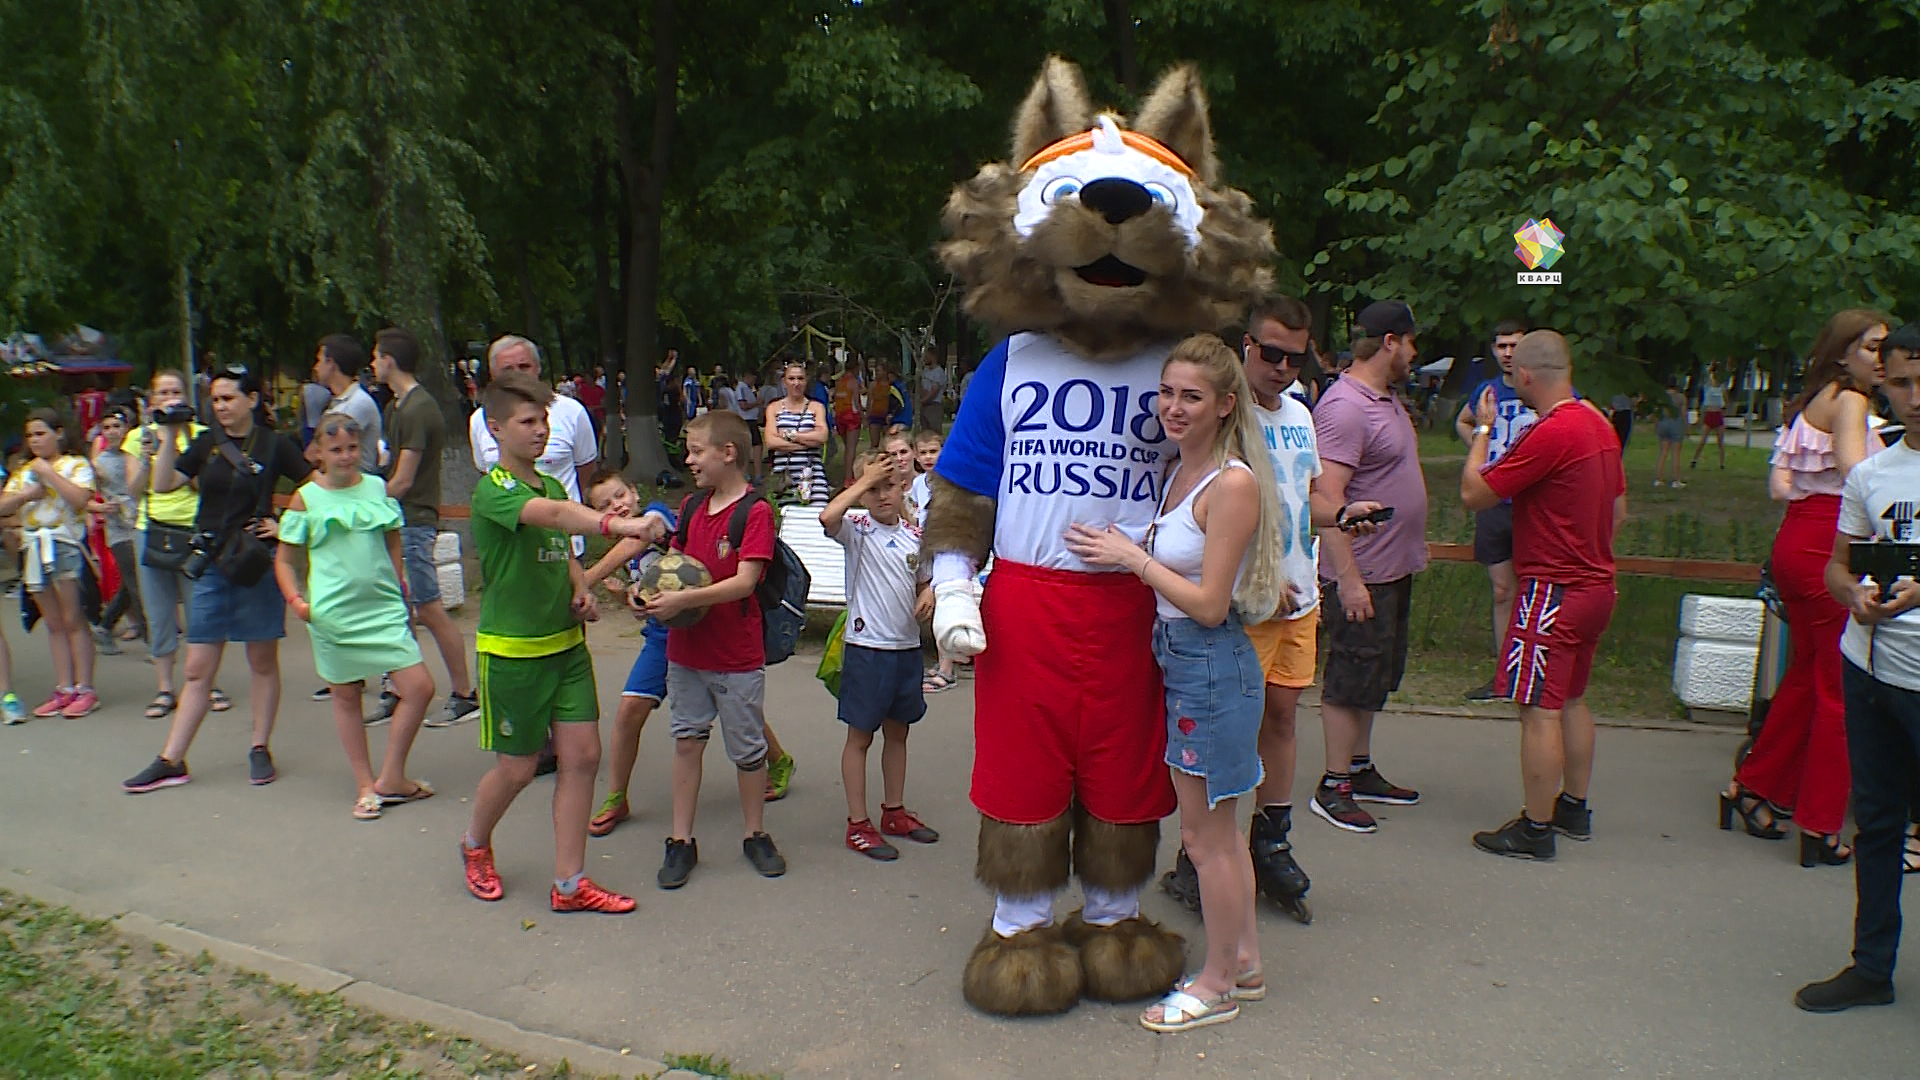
(167, 545)
(244, 558)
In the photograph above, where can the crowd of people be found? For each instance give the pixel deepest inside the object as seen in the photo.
(1278, 521)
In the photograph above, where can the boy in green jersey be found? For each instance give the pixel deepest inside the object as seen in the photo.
(535, 674)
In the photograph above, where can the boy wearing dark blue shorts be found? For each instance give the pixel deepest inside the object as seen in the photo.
(880, 678)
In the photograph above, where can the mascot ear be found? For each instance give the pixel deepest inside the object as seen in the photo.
(1055, 108)
(1176, 115)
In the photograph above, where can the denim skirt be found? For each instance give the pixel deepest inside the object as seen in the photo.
(218, 611)
(1216, 695)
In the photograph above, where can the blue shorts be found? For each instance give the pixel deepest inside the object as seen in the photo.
(1216, 694)
(219, 611)
(648, 678)
(881, 684)
(416, 552)
(65, 565)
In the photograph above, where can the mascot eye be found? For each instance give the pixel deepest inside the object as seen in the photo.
(1059, 188)
(1163, 195)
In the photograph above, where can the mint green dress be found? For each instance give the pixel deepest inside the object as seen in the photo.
(359, 626)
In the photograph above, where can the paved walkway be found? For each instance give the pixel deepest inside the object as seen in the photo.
(1665, 947)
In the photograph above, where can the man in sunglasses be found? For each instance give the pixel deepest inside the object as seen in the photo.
(1493, 527)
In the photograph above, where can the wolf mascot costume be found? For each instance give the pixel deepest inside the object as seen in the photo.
(1098, 247)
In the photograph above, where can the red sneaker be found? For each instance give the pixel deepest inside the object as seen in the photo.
(483, 880)
(865, 839)
(900, 821)
(591, 897)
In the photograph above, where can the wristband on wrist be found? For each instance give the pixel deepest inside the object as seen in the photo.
(606, 523)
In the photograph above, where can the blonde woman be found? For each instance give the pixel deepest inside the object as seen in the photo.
(1212, 557)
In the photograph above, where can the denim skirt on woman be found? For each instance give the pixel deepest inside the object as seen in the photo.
(1216, 695)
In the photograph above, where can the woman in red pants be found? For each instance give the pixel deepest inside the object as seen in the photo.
(1800, 759)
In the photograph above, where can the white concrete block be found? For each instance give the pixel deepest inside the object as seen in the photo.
(1721, 618)
(1714, 674)
(446, 548)
(825, 560)
(453, 584)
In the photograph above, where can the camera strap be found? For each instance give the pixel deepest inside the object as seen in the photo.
(243, 465)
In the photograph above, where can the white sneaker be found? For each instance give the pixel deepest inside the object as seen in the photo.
(1677, 485)
(1657, 485)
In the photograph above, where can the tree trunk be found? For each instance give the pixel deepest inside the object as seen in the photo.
(602, 271)
(184, 294)
(645, 181)
(1126, 59)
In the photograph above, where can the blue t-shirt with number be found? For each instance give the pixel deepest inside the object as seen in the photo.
(1059, 439)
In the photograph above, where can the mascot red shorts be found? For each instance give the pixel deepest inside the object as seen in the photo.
(1067, 699)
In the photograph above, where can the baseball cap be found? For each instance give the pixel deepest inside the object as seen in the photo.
(1383, 317)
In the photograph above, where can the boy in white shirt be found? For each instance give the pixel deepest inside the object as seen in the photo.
(880, 677)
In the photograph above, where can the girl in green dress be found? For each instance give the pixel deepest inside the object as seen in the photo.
(342, 535)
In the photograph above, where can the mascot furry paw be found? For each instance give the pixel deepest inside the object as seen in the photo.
(1096, 248)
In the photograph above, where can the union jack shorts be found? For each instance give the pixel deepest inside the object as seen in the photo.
(1551, 640)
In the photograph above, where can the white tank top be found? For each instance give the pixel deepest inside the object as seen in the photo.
(1177, 542)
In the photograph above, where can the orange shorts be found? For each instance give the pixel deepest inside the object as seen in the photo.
(1287, 649)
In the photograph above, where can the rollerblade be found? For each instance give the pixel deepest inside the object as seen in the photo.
(1277, 876)
(1182, 882)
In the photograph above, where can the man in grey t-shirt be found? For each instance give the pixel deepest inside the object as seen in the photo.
(337, 364)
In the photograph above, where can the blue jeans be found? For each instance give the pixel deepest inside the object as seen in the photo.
(1216, 695)
(1883, 741)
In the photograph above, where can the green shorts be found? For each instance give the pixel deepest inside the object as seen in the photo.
(521, 697)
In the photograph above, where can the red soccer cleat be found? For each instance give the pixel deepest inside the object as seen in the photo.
(591, 897)
(900, 821)
(483, 880)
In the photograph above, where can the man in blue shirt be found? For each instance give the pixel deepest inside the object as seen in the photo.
(1493, 528)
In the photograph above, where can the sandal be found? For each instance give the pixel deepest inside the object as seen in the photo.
(934, 683)
(367, 807)
(1180, 1011)
(163, 703)
(421, 790)
(1818, 850)
(1755, 813)
(1911, 857)
(219, 701)
(1249, 985)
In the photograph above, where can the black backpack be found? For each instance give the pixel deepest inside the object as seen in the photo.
(782, 591)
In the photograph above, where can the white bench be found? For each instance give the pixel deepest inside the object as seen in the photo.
(826, 561)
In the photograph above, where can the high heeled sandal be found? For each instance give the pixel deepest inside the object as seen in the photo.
(1748, 806)
(1817, 850)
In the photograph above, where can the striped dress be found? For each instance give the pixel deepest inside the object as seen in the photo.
(805, 470)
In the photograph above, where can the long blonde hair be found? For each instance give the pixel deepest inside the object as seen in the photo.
(1258, 592)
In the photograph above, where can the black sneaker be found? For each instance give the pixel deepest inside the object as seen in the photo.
(260, 767)
(460, 709)
(325, 693)
(1572, 822)
(763, 855)
(162, 773)
(1844, 991)
(1336, 807)
(682, 857)
(1487, 692)
(1516, 840)
(1370, 786)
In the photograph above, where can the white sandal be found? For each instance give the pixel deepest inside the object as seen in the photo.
(1180, 1011)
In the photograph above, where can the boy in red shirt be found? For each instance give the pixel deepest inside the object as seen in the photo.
(1568, 491)
(716, 668)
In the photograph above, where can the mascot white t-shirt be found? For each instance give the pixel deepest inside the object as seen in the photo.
(1058, 439)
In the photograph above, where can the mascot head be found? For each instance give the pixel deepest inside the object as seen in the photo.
(1103, 234)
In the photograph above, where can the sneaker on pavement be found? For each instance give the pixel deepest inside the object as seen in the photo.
(682, 857)
(900, 821)
(54, 705)
(483, 881)
(104, 642)
(84, 701)
(612, 812)
(162, 773)
(1486, 692)
(1515, 840)
(779, 777)
(260, 767)
(865, 839)
(591, 897)
(1572, 822)
(1336, 807)
(1844, 991)
(12, 709)
(325, 693)
(1370, 786)
(460, 709)
(763, 855)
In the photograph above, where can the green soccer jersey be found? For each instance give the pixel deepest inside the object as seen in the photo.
(526, 603)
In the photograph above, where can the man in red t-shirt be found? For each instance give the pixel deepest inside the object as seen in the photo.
(1568, 491)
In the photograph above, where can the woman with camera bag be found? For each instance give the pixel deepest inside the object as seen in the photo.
(230, 563)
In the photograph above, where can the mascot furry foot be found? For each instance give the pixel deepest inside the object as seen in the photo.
(1132, 959)
(1035, 973)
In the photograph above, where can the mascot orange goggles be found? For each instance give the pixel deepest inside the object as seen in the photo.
(1146, 144)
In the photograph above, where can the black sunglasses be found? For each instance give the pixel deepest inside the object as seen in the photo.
(1277, 356)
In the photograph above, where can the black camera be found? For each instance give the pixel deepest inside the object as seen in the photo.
(200, 553)
(177, 413)
(1885, 562)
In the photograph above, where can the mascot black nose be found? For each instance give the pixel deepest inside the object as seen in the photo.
(1115, 199)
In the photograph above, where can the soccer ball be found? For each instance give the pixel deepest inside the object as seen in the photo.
(672, 572)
